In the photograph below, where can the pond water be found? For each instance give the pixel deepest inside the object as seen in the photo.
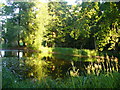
(37, 65)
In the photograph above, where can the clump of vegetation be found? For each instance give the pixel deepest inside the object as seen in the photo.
(70, 51)
(102, 73)
(82, 29)
(109, 80)
(103, 65)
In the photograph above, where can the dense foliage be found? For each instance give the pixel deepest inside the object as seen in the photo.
(90, 25)
(27, 23)
(50, 26)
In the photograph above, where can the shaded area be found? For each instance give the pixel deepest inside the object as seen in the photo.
(0, 73)
(41, 70)
(37, 65)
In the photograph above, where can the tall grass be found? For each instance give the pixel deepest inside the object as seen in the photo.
(95, 79)
(0, 73)
(110, 80)
(103, 65)
(102, 73)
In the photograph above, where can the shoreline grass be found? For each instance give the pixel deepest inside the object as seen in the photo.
(67, 53)
(104, 80)
(101, 80)
(109, 80)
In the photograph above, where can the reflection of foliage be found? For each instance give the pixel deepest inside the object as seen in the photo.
(36, 66)
(26, 67)
(57, 68)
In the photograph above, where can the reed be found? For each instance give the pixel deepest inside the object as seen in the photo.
(109, 80)
(103, 65)
(102, 73)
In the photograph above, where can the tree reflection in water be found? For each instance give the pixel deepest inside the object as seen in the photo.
(37, 66)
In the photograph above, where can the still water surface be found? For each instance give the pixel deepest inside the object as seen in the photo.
(35, 65)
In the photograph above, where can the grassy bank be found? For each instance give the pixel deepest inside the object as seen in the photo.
(69, 53)
(110, 80)
(73, 52)
(76, 54)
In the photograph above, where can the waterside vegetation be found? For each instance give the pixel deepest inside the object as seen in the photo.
(56, 45)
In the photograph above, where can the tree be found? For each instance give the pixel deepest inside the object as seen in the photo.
(108, 26)
(11, 34)
(56, 30)
(29, 24)
(36, 20)
(90, 25)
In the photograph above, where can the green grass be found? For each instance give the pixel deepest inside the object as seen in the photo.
(69, 53)
(110, 80)
(0, 46)
(102, 80)
(76, 54)
(106, 80)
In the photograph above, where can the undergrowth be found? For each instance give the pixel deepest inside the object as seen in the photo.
(109, 80)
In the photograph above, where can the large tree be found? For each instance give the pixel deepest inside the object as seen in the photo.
(28, 24)
(107, 31)
(90, 25)
(56, 30)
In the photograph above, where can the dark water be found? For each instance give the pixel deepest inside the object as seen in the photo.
(37, 65)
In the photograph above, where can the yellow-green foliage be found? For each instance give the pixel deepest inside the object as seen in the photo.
(37, 67)
(38, 18)
(69, 51)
